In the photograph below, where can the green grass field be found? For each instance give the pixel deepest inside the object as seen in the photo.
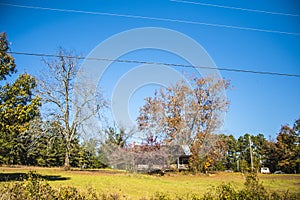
(135, 186)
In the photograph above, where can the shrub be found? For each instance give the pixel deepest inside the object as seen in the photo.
(253, 190)
(32, 188)
(221, 192)
(35, 188)
(161, 196)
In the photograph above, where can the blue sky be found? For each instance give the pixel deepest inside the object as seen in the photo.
(259, 103)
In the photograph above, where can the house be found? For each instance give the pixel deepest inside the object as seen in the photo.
(164, 158)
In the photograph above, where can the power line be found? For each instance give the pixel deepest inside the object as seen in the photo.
(154, 18)
(157, 63)
(236, 8)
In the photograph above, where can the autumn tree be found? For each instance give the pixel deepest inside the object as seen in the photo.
(187, 114)
(288, 148)
(18, 106)
(71, 103)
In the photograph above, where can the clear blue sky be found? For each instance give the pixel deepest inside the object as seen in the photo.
(259, 103)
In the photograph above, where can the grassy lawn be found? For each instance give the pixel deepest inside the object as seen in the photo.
(135, 186)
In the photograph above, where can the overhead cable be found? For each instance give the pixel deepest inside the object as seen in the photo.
(154, 18)
(158, 63)
(236, 8)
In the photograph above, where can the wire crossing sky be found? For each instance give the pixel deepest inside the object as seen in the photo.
(157, 63)
(154, 18)
(236, 8)
(254, 44)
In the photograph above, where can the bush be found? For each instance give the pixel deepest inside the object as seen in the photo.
(35, 188)
(253, 190)
(31, 188)
(161, 196)
(222, 192)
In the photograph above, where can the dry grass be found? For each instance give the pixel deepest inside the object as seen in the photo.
(135, 186)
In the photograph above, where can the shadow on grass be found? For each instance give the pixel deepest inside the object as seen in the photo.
(5, 177)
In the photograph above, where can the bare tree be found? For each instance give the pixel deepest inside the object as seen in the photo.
(66, 100)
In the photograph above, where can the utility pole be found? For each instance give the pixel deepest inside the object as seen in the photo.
(237, 156)
(251, 156)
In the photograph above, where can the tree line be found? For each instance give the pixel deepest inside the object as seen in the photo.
(280, 154)
(43, 121)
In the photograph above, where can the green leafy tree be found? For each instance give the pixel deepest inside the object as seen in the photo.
(89, 156)
(116, 136)
(243, 158)
(230, 158)
(51, 145)
(18, 106)
(297, 147)
(257, 148)
(47, 145)
(7, 62)
(259, 145)
(270, 156)
(112, 150)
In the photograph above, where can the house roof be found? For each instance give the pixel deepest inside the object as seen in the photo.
(186, 149)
